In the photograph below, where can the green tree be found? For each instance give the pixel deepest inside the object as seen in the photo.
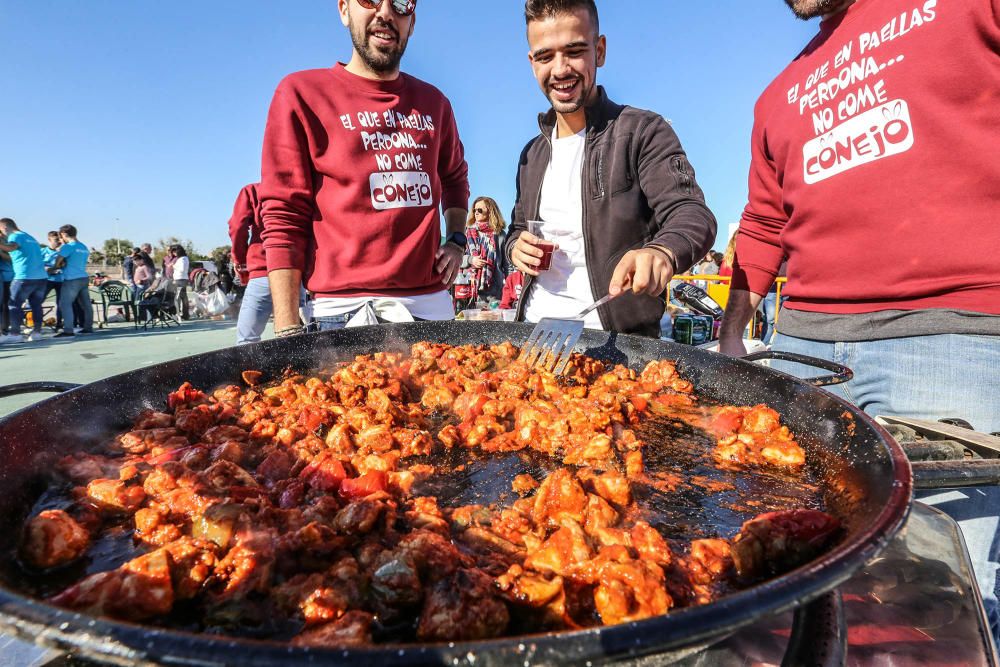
(221, 255)
(115, 250)
(161, 249)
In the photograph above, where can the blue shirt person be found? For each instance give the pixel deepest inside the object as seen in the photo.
(75, 254)
(26, 257)
(76, 284)
(28, 283)
(49, 257)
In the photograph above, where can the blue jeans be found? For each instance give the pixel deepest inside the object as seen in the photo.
(929, 377)
(32, 291)
(255, 311)
(333, 322)
(74, 299)
(5, 307)
(769, 304)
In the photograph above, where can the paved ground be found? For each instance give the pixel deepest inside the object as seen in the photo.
(105, 352)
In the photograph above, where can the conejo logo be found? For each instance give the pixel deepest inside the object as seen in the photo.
(876, 134)
(400, 189)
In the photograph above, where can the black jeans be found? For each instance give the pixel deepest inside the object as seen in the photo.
(181, 299)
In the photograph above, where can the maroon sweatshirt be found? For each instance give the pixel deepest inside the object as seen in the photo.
(875, 164)
(245, 228)
(354, 172)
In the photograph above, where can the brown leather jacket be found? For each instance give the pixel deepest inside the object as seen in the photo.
(639, 190)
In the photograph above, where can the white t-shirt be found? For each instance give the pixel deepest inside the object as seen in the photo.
(181, 268)
(564, 290)
(434, 306)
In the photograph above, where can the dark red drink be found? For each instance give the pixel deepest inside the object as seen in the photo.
(546, 247)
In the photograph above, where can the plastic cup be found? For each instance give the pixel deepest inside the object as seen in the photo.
(537, 227)
(547, 248)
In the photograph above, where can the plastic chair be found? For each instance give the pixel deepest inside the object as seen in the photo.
(115, 293)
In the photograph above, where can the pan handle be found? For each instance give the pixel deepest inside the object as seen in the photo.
(840, 375)
(32, 387)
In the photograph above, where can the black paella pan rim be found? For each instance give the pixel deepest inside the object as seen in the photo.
(125, 643)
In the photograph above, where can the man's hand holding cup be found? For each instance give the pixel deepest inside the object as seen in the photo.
(532, 254)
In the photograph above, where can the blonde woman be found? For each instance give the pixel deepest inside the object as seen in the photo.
(483, 230)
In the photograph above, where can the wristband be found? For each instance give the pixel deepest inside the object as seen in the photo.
(290, 331)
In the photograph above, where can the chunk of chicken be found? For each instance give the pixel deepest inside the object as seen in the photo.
(53, 538)
(463, 607)
(776, 542)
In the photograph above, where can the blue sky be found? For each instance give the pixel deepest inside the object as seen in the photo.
(143, 119)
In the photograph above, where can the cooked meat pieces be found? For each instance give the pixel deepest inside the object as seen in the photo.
(305, 500)
(776, 542)
(464, 606)
(352, 629)
(755, 437)
(53, 538)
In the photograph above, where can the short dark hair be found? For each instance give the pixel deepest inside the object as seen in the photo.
(68, 230)
(53, 233)
(536, 10)
(8, 221)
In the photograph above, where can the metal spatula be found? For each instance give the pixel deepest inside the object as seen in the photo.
(552, 339)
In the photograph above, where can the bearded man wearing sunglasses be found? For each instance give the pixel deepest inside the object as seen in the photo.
(357, 161)
(610, 183)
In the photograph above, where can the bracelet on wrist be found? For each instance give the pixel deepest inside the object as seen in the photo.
(285, 332)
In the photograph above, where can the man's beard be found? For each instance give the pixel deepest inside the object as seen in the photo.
(574, 105)
(378, 60)
(808, 9)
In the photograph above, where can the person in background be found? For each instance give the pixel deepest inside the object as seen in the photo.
(147, 254)
(142, 274)
(339, 211)
(885, 242)
(483, 230)
(180, 269)
(128, 270)
(249, 261)
(29, 281)
(6, 278)
(709, 266)
(512, 286)
(72, 260)
(612, 184)
(167, 265)
(728, 257)
(769, 306)
(50, 254)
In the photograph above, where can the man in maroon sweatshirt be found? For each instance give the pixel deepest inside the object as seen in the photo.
(874, 169)
(358, 160)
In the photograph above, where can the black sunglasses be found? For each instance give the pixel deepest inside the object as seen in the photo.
(480, 210)
(401, 7)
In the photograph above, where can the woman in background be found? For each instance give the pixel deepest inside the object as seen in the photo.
(142, 273)
(179, 274)
(483, 230)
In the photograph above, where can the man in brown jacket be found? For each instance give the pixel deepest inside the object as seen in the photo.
(610, 184)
